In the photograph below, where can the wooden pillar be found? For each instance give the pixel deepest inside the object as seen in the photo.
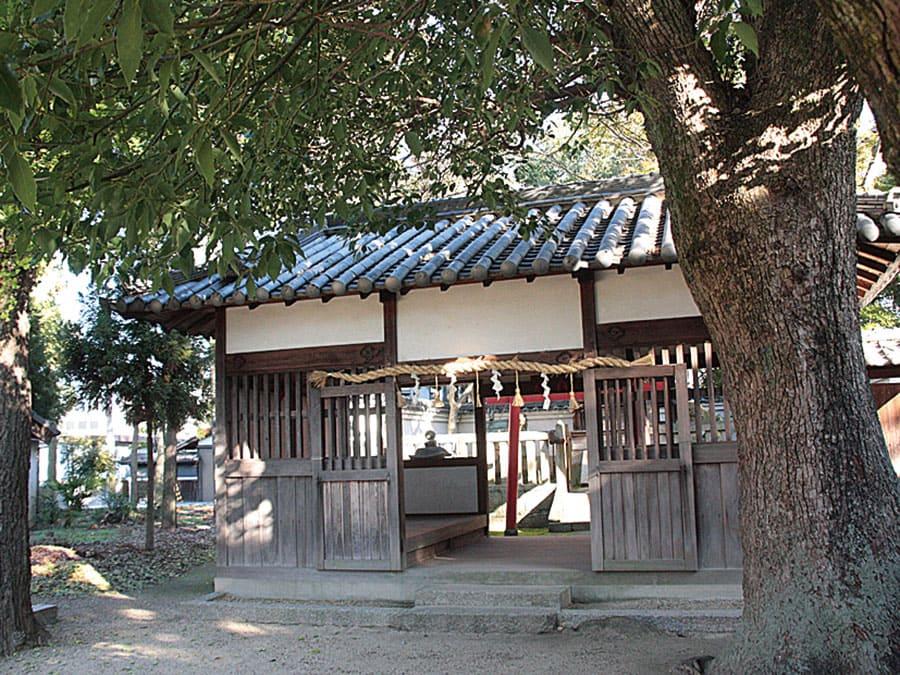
(220, 441)
(588, 312)
(591, 420)
(512, 473)
(389, 309)
(481, 453)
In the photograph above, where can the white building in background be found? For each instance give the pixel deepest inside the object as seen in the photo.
(117, 434)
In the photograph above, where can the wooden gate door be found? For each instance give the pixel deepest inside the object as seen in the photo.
(356, 460)
(641, 475)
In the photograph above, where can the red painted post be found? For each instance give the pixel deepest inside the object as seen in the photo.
(512, 472)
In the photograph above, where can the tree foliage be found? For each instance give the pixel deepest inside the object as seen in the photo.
(51, 396)
(154, 376)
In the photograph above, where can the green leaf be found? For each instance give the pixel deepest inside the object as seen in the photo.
(414, 142)
(73, 15)
(747, 36)
(232, 144)
(208, 66)
(537, 42)
(203, 154)
(94, 20)
(129, 39)
(21, 177)
(41, 7)
(10, 91)
(488, 59)
(62, 90)
(159, 13)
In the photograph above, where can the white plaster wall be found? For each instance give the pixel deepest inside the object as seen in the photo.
(307, 323)
(504, 318)
(642, 293)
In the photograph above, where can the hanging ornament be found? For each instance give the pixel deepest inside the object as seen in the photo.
(401, 400)
(573, 402)
(495, 383)
(478, 403)
(417, 385)
(518, 401)
(545, 386)
(436, 400)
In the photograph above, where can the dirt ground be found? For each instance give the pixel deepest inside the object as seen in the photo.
(166, 630)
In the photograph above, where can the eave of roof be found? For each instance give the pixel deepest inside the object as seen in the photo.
(613, 224)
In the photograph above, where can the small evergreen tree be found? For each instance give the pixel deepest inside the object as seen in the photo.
(156, 378)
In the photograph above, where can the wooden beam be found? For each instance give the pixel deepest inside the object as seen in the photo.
(389, 308)
(651, 333)
(307, 358)
(588, 313)
(886, 278)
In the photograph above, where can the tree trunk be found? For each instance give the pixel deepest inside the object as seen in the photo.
(135, 437)
(869, 34)
(149, 529)
(760, 185)
(17, 623)
(170, 478)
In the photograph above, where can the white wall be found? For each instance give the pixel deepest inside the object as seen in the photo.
(642, 293)
(505, 318)
(306, 323)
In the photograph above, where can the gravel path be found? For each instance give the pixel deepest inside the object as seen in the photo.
(167, 630)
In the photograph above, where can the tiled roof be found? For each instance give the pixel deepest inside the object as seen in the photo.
(614, 223)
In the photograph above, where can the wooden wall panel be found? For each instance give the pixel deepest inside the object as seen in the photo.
(268, 521)
(718, 515)
(355, 514)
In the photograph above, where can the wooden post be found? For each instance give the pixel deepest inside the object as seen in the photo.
(220, 441)
(512, 473)
(481, 452)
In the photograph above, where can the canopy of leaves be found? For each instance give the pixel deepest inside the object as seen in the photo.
(154, 376)
(138, 132)
(595, 147)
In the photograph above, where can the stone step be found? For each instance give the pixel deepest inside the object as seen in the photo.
(493, 596)
(682, 621)
(444, 619)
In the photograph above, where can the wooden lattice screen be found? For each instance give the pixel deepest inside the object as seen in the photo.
(711, 418)
(637, 418)
(354, 431)
(264, 415)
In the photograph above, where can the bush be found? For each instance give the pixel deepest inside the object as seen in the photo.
(118, 507)
(49, 511)
(88, 469)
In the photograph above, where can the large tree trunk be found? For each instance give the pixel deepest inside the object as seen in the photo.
(17, 623)
(760, 186)
(170, 478)
(868, 32)
(150, 514)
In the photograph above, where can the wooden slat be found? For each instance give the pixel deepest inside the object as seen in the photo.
(277, 410)
(708, 453)
(340, 475)
(711, 394)
(346, 390)
(257, 468)
(638, 465)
